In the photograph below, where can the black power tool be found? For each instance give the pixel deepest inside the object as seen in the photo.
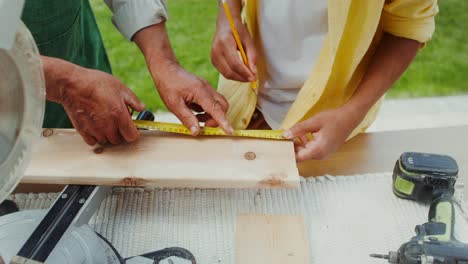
(428, 178)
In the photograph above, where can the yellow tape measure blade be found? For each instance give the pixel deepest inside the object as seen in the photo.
(207, 131)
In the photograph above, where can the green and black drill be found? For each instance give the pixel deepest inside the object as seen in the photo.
(428, 178)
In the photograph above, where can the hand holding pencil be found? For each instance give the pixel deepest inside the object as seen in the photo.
(232, 38)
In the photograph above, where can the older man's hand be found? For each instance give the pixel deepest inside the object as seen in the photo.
(96, 102)
(180, 90)
(183, 92)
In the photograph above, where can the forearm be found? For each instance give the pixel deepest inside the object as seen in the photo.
(178, 88)
(391, 59)
(58, 74)
(235, 6)
(154, 43)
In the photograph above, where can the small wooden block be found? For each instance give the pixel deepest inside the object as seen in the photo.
(163, 160)
(271, 239)
(21, 260)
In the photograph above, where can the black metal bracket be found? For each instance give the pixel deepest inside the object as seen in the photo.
(73, 207)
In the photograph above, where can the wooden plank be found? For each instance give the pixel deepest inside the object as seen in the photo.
(377, 152)
(271, 239)
(61, 157)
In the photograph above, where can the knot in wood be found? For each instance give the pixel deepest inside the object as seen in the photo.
(47, 132)
(250, 155)
(98, 150)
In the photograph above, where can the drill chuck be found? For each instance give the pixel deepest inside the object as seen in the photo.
(392, 257)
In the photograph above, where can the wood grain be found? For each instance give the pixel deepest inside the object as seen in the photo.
(61, 157)
(271, 239)
(377, 152)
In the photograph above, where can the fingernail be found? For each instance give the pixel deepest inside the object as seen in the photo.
(254, 69)
(287, 134)
(194, 130)
(229, 129)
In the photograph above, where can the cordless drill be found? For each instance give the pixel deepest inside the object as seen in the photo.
(428, 178)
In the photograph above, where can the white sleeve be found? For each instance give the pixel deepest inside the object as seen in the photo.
(130, 16)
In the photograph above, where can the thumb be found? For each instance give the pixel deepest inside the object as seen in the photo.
(312, 150)
(310, 125)
(251, 54)
(187, 117)
(132, 100)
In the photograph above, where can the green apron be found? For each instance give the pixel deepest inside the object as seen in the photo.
(65, 29)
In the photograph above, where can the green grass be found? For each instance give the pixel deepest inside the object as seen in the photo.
(441, 68)
(191, 27)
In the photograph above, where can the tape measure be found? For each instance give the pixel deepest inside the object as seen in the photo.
(207, 131)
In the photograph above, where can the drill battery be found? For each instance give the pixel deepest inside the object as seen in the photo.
(417, 176)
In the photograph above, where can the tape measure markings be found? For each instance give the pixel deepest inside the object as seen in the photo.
(207, 131)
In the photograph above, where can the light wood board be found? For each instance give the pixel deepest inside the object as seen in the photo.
(378, 152)
(164, 160)
(371, 152)
(271, 239)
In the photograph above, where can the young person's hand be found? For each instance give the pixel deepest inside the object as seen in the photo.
(224, 51)
(330, 129)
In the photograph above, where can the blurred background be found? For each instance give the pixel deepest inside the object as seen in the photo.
(440, 69)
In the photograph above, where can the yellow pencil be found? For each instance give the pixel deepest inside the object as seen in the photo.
(253, 84)
(234, 32)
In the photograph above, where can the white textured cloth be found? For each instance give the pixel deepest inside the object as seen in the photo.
(130, 16)
(292, 33)
(348, 217)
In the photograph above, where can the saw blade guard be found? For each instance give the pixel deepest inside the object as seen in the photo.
(22, 103)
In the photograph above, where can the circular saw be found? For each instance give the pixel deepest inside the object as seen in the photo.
(60, 234)
(22, 95)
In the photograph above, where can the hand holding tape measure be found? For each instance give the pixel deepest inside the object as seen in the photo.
(145, 120)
